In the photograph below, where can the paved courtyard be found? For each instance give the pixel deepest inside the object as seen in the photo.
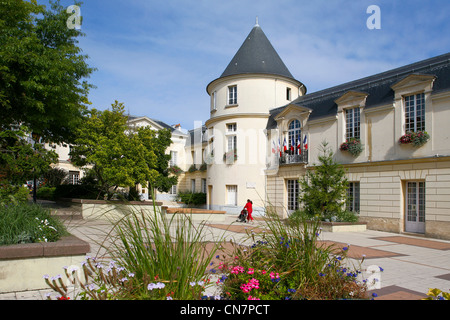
(411, 264)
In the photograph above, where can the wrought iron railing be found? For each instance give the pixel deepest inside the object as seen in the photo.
(287, 158)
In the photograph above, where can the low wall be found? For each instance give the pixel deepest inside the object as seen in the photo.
(343, 226)
(22, 266)
(196, 214)
(111, 210)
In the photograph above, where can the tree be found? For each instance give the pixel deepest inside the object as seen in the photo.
(117, 155)
(324, 188)
(42, 70)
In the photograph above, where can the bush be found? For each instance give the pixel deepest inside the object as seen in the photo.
(10, 194)
(46, 193)
(191, 198)
(28, 223)
(77, 191)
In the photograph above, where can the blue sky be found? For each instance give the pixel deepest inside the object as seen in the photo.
(157, 57)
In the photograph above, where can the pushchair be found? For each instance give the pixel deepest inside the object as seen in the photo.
(242, 216)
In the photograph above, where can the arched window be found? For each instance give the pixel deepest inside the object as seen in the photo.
(294, 136)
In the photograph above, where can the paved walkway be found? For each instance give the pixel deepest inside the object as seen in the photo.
(411, 265)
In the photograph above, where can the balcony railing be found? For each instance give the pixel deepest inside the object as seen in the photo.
(287, 158)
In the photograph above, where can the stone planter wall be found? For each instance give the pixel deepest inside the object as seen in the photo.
(344, 226)
(22, 266)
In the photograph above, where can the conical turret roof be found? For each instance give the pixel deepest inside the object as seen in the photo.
(257, 55)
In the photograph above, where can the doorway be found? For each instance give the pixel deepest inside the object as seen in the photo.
(415, 207)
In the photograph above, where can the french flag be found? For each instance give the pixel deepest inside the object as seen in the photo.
(292, 145)
(299, 146)
(285, 145)
(305, 142)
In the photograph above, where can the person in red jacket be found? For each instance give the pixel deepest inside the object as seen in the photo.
(249, 208)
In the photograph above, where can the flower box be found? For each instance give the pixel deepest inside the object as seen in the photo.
(416, 139)
(353, 146)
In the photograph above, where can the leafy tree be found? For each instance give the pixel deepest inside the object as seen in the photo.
(118, 156)
(20, 160)
(42, 70)
(324, 188)
(159, 143)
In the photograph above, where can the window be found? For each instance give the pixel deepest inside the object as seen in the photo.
(214, 101)
(232, 195)
(288, 94)
(353, 123)
(415, 113)
(231, 138)
(232, 95)
(231, 127)
(415, 207)
(294, 136)
(353, 197)
(173, 189)
(173, 158)
(204, 185)
(292, 191)
(74, 177)
(192, 185)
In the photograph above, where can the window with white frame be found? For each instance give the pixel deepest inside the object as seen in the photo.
(192, 185)
(353, 123)
(293, 189)
(232, 95)
(294, 135)
(415, 112)
(214, 101)
(173, 158)
(353, 197)
(173, 189)
(232, 195)
(231, 136)
(204, 185)
(74, 177)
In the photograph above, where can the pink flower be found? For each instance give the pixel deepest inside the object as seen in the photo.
(253, 298)
(274, 275)
(263, 272)
(251, 271)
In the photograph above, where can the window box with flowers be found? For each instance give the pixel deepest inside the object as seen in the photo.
(417, 139)
(353, 146)
(230, 156)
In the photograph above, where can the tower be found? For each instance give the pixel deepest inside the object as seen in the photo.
(254, 82)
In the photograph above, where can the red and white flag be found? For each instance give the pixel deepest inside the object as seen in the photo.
(305, 142)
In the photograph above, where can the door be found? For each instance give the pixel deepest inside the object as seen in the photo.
(415, 207)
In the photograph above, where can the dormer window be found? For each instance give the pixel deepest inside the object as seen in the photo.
(232, 95)
(415, 112)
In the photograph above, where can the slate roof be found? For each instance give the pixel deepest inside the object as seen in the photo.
(378, 87)
(257, 55)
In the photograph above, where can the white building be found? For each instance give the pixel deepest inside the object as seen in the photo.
(257, 107)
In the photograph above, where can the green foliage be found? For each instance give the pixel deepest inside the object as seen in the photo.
(119, 157)
(157, 249)
(28, 223)
(324, 188)
(21, 161)
(41, 70)
(10, 194)
(45, 193)
(55, 177)
(192, 198)
(288, 262)
(353, 146)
